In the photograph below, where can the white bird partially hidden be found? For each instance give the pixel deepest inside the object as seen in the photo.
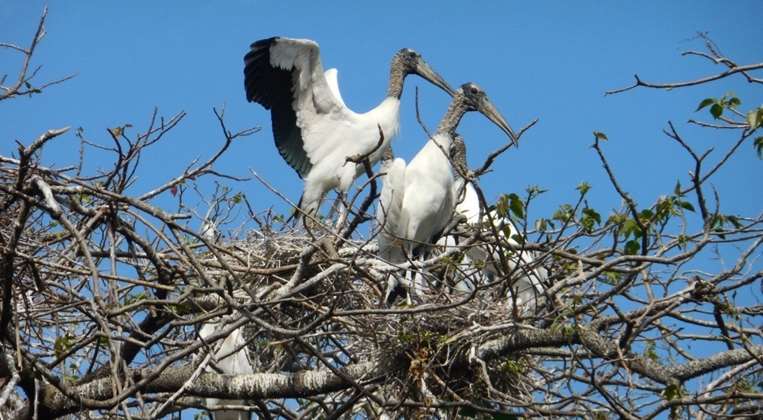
(314, 131)
(527, 277)
(418, 199)
(230, 359)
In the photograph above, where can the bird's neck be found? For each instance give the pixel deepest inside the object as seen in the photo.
(396, 80)
(443, 141)
(452, 117)
(459, 161)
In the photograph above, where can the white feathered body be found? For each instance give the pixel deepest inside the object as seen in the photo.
(389, 209)
(428, 202)
(330, 131)
(417, 199)
(329, 152)
(527, 287)
(231, 359)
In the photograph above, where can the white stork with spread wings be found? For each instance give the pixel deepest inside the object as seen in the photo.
(314, 130)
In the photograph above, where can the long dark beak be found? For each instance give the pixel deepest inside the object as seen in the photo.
(488, 109)
(423, 70)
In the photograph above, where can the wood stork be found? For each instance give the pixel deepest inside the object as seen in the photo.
(231, 358)
(314, 130)
(526, 288)
(418, 199)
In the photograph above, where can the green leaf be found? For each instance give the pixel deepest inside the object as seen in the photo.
(646, 214)
(664, 208)
(85, 198)
(632, 247)
(717, 224)
(717, 221)
(516, 206)
(755, 118)
(590, 217)
(677, 189)
(716, 110)
(734, 221)
(758, 143)
(734, 102)
(650, 351)
(705, 102)
(63, 344)
(672, 392)
(541, 225)
(502, 206)
(630, 227)
(600, 136)
(682, 241)
(611, 278)
(616, 219)
(514, 367)
(237, 198)
(116, 131)
(583, 187)
(593, 214)
(564, 213)
(534, 191)
(686, 205)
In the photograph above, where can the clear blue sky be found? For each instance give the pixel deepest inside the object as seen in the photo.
(551, 60)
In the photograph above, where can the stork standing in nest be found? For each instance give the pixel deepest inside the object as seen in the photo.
(418, 199)
(526, 278)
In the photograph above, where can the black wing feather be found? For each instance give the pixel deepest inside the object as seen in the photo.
(273, 88)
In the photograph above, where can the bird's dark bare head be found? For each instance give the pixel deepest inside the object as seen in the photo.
(474, 98)
(408, 61)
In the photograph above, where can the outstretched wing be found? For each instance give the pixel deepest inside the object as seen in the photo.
(286, 76)
(332, 78)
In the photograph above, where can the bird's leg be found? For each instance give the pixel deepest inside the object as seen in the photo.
(343, 211)
(310, 204)
(418, 285)
(409, 284)
(408, 272)
(334, 207)
(392, 284)
(410, 277)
